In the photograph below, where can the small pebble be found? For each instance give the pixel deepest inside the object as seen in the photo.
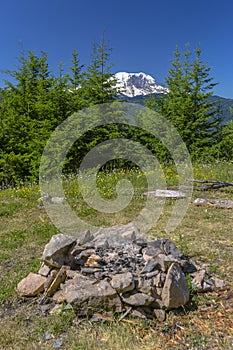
(57, 343)
(47, 336)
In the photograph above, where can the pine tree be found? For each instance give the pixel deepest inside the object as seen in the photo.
(27, 118)
(76, 68)
(99, 85)
(186, 104)
(60, 96)
(224, 148)
(75, 84)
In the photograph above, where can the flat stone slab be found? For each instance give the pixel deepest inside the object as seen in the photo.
(175, 290)
(115, 236)
(165, 194)
(31, 285)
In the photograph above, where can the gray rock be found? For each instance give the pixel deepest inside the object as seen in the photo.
(150, 266)
(55, 200)
(198, 280)
(150, 253)
(165, 194)
(218, 283)
(202, 282)
(77, 249)
(57, 343)
(131, 249)
(116, 235)
(98, 318)
(57, 251)
(88, 297)
(208, 286)
(167, 247)
(45, 308)
(146, 286)
(47, 336)
(139, 314)
(90, 270)
(78, 279)
(101, 242)
(137, 299)
(165, 261)
(156, 243)
(86, 237)
(44, 270)
(152, 274)
(187, 266)
(72, 273)
(160, 314)
(175, 290)
(170, 248)
(141, 242)
(122, 282)
(59, 297)
(214, 203)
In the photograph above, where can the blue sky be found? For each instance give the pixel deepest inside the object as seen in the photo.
(142, 34)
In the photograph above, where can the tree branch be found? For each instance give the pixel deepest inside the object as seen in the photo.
(211, 184)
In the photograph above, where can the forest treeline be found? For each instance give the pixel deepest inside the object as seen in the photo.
(34, 101)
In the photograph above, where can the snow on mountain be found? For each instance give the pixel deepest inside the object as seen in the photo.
(136, 84)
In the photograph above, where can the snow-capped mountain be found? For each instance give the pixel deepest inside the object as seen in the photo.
(136, 84)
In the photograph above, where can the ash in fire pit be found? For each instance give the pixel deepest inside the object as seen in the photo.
(116, 270)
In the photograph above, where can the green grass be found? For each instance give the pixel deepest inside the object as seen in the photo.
(205, 234)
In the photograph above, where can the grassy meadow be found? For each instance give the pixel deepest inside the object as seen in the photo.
(205, 233)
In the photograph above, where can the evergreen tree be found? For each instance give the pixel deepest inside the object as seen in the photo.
(27, 118)
(224, 148)
(99, 85)
(76, 68)
(60, 96)
(186, 104)
(75, 84)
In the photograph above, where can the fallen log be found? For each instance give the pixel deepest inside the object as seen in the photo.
(211, 184)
